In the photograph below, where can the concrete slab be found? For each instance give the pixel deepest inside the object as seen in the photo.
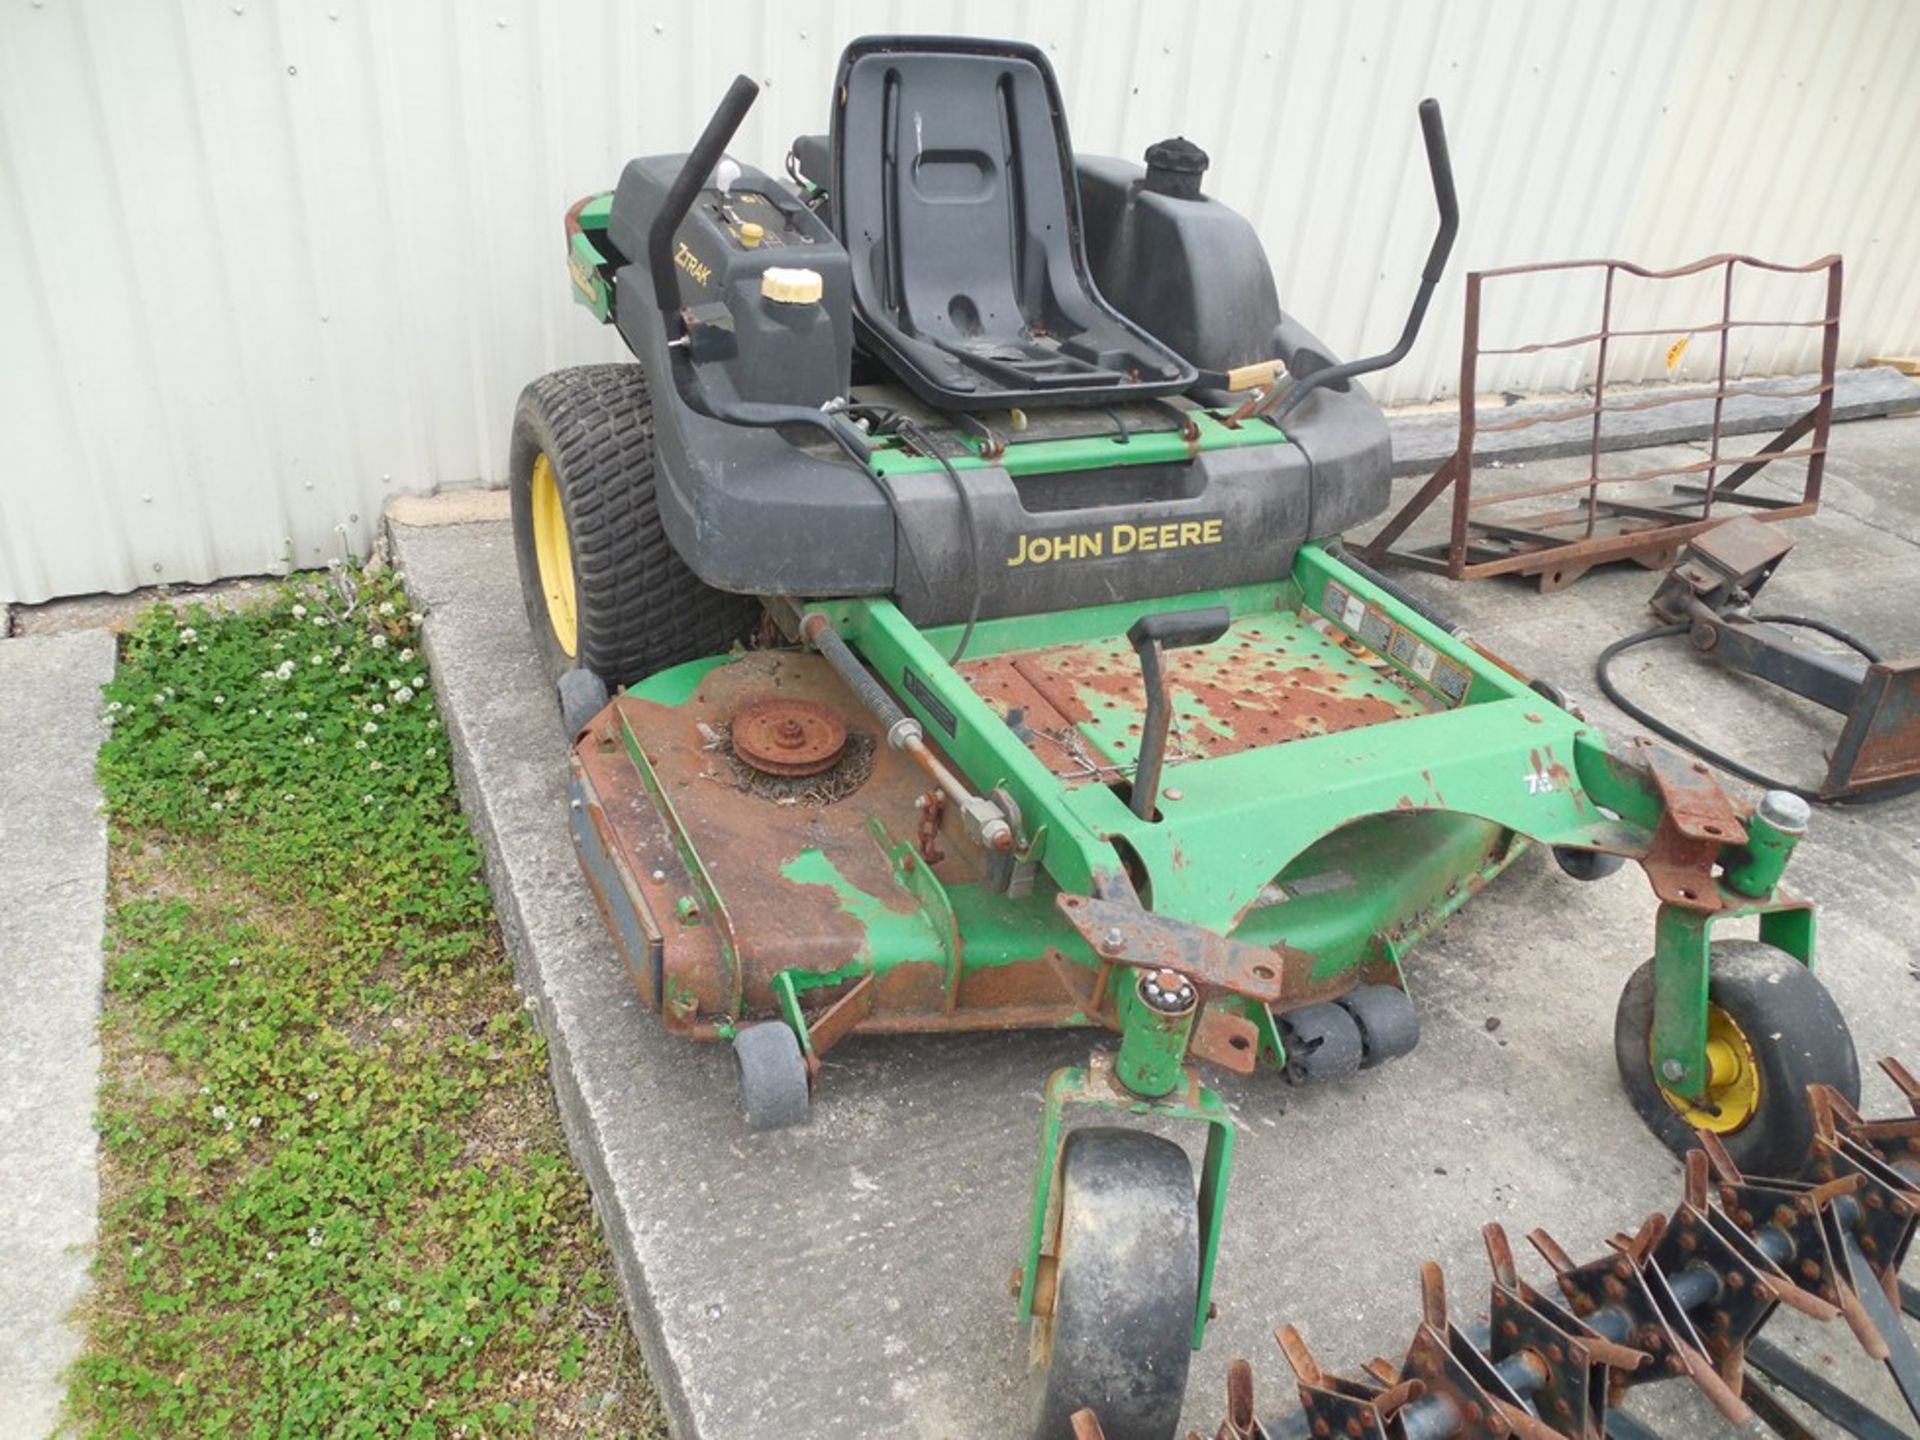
(846, 1279)
(53, 871)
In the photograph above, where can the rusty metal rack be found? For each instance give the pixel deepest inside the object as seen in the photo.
(1685, 1296)
(1599, 517)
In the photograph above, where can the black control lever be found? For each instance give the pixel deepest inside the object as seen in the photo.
(1440, 166)
(707, 152)
(1149, 635)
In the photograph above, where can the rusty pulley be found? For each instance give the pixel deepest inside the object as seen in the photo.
(788, 737)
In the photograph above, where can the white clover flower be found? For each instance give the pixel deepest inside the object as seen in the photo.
(320, 620)
(219, 1112)
(288, 797)
(378, 708)
(200, 755)
(285, 669)
(188, 635)
(402, 695)
(299, 612)
(114, 707)
(219, 699)
(406, 655)
(386, 607)
(415, 616)
(316, 660)
(159, 699)
(375, 765)
(379, 642)
(368, 728)
(366, 799)
(299, 714)
(253, 1123)
(307, 741)
(359, 744)
(392, 684)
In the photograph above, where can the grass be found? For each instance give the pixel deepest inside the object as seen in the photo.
(336, 1200)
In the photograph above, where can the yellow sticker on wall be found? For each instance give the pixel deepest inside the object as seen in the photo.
(1675, 351)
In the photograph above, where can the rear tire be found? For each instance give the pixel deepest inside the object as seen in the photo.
(1120, 1337)
(604, 590)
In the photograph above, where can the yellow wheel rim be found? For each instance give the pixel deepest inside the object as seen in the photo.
(1732, 1096)
(553, 552)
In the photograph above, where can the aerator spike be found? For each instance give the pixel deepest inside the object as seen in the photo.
(1908, 1082)
(1686, 1294)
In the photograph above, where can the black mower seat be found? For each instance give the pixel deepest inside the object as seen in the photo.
(953, 193)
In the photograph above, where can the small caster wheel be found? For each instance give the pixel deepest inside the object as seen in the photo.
(1772, 1030)
(772, 1074)
(1323, 1043)
(583, 695)
(1389, 1025)
(1118, 1335)
(1550, 692)
(1587, 864)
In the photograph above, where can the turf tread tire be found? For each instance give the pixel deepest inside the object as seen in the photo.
(1120, 1338)
(639, 608)
(1799, 1038)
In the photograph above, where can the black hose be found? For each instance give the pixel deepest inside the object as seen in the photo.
(918, 438)
(1603, 678)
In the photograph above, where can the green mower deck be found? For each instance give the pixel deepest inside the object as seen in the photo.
(1342, 774)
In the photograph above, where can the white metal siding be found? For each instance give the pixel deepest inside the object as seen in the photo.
(264, 265)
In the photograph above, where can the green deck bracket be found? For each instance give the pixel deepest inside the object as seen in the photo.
(1094, 1084)
(1682, 968)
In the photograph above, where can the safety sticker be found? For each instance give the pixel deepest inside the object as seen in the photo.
(1372, 625)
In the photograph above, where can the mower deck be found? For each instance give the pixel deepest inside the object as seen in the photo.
(737, 894)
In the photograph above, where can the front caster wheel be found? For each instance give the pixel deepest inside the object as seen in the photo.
(772, 1074)
(1587, 864)
(583, 695)
(1772, 1030)
(1119, 1333)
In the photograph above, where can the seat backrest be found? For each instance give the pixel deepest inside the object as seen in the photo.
(953, 191)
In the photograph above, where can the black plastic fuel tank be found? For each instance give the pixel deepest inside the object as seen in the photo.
(1187, 268)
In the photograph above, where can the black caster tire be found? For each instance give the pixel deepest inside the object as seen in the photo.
(1587, 864)
(1120, 1335)
(583, 695)
(1389, 1025)
(1775, 1030)
(772, 1074)
(1323, 1043)
(604, 589)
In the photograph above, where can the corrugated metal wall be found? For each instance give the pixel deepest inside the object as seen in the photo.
(264, 265)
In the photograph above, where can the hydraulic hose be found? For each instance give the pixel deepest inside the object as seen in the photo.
(1603, 677)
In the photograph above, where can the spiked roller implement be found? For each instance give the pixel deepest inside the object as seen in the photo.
(1683, 1297)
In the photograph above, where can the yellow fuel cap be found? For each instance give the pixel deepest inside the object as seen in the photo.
(751, 234)
(791, 287)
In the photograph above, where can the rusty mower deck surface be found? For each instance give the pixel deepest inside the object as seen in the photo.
(840, 1279)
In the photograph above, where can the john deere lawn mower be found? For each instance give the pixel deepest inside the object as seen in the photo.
(962, 546)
